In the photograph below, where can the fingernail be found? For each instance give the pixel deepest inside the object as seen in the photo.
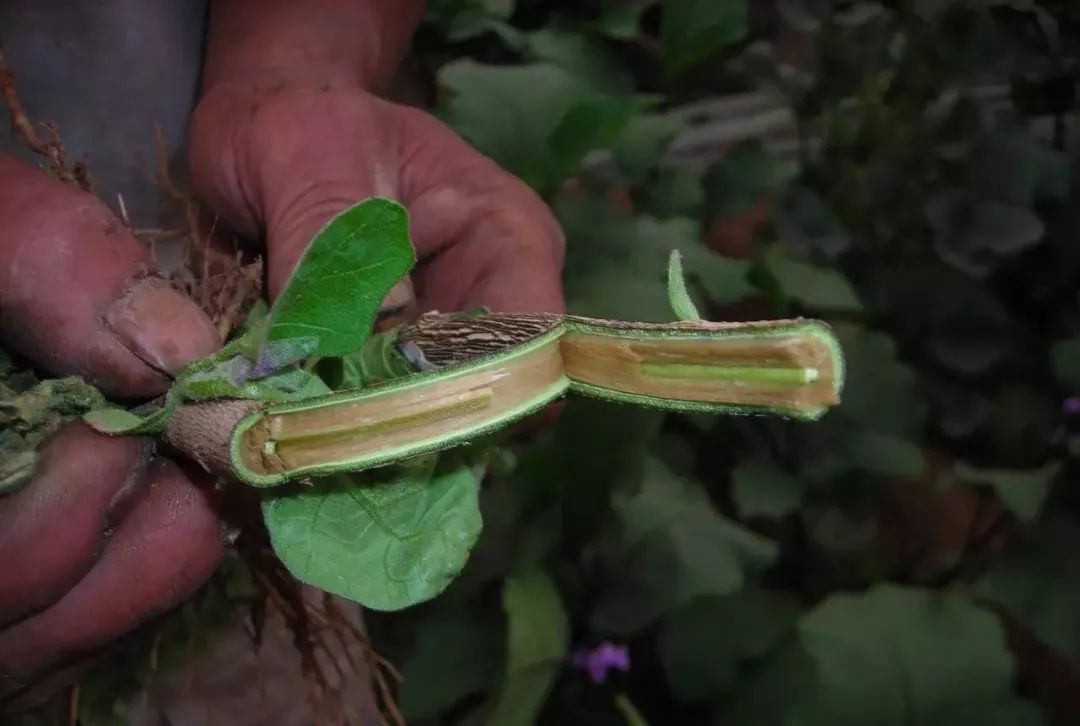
(401, 296)
(161, 326)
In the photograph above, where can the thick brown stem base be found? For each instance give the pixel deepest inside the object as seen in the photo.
(202, 432)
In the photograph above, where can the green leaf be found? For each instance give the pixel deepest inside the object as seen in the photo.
(593, 123)
(335, 291)
(673, 191)
(580, 55)
(672, 546)
(681, 304)
(1038, 582)
(887, 455)
(377, 361)
(597, 448)
(621, 19)
(456, 653)
(1015, 168)
(807, 226)
(692, 30)
(817, 288)
(463, 20)
(745, 175)
(1065, 355)
(641, 144)
(762, 489)
(114, 421)
(295, 384)
(537, 644)
(387, 540)
(615, 262)
(548, 120)
(892, 656)
(880, 392)
(629, 711)
(1022, 492)
(232, 379)
(974, 235)
(117, 421)
(706, 646)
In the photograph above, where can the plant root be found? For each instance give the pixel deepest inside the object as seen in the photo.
(52, 147)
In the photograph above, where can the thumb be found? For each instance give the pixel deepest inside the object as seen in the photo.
(77, 293)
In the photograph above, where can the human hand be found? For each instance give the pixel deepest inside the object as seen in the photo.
(289, 133)
(106, 535)
(281, 159)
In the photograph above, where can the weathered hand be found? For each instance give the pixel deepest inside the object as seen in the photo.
(107, 534)
(281, 159)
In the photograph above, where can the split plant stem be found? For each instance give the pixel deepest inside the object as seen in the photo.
(478, 374)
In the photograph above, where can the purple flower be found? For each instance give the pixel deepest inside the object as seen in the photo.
(598, 661)
(264, 366)
(1071, 406)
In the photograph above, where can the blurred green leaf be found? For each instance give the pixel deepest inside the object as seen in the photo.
(880, 392)
(549, 118)
(1021, 424)
(968, 352)
(1015, 168)
(1023, 492)
(597, 448)
(974, 235)
(839, 531)
(806, 225)
(1065, 355)
(629, 711)
(674, 191)
(386, 540)
(642, 143)
(878, 658)
(705, 645)
(887, 455)
(590, 124)
(579, 55)
(763, 489)
(760, 64)
(621, 19)
(805, 16)
(615, 262)
(817, 288)
(465, 19)
(672, 546)
(931, 9)
(745, 175)
(456, 653)
(1038, 582)
(692, 30)
(537, 646)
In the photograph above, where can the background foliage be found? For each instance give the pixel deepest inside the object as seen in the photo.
(904, 170)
